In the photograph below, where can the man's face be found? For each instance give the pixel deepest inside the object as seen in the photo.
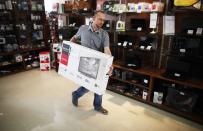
(99, 19)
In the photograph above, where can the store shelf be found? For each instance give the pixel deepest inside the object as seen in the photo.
(129, 13)
(73, 12)
(191, 36)
(144, 70)
(129, 82)
(112, 13)
(125, 94)
(22, 51)
(145, 51)
(8, 22)
(157, 73)
(20, 18)
(7, 31)
(12, 63)
(37, 11)
(189, 115)
(184, 10)
(131, 32)
(5, 10)
(191, 82)
(70, 28)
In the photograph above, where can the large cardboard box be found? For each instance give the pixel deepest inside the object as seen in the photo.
(85, 66)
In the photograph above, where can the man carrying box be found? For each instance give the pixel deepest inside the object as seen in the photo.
(94, 37)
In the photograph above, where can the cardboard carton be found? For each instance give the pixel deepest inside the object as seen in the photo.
(85, 66)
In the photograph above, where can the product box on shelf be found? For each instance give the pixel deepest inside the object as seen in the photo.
(85, 66)
(44, 61)
(158, 97)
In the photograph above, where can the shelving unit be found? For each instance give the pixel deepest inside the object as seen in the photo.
(153, 71)
(127, 95)
(129, 82)
(73, 14)
(154, 75)
(26, 19)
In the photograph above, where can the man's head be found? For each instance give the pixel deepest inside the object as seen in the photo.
(99, 19)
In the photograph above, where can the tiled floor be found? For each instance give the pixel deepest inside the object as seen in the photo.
(41, 101)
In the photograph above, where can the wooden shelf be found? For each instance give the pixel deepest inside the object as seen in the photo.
(157, 73)
(70, 28)
(5, 10)
(129, 13)
(13, 63)
(190, 82)
(193, 83)
(72, 12)
(144, 71)
(186, 10)
(190, 36)
(131, 32)
(137, 49)
(37, 21)
(9, 53)
(22, 51)
(129, 82)
(133, 97)
(37, 11)
(112, 13)
(35, 30)
(7, 31)
(189, 115)
(145, 51)
(16, 71)
(7, 22)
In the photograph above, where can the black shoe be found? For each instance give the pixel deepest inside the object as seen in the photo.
(74, 100)
(103, 111)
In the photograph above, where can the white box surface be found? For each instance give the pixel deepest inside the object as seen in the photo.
(85, 66)
(158, 97)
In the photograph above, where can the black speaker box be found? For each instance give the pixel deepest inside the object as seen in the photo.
(132, 60)
(181, 100)
(177, 69)
(138, 24)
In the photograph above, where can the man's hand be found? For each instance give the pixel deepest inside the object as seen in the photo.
(110, 71)
(73, 39)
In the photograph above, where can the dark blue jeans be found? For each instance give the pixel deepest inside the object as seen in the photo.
(97, 98)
